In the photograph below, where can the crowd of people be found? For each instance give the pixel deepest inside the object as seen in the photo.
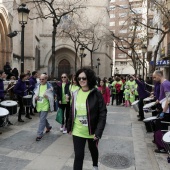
(83, 99)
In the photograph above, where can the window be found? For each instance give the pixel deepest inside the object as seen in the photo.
(112, 15)
(112, 7)
(122, 23)
(123, 63)
(121, 15)
(112, 23)
(121, 55)
(123, 31)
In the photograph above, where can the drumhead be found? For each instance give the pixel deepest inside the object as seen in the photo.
(9, 103)
(148, 99)
(27, 96)
(3, 112)
(150, 118)
(166, 137)
(135, 102)
(149, 105)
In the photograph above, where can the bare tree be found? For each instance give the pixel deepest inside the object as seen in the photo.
(56, 10)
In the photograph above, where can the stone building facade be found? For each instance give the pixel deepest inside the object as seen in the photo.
(38, 41)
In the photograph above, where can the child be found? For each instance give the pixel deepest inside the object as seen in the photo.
(127, 96)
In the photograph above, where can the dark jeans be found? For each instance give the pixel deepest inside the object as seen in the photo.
(118, 98)
(140, 104)
(21, 107)
(113, 97)
(66, 109)
(79, 146)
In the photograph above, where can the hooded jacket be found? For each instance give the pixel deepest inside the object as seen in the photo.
(96, 113)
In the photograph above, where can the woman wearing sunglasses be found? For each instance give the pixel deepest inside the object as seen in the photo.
(64, 100)
(87, 117)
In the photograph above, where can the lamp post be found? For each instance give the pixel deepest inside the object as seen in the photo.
(139, 67)
(23, 13)
(144, 49)
(98, 64)
(82, 55)
(116, 70)
(111, 66)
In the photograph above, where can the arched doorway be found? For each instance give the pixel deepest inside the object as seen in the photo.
(63, 67)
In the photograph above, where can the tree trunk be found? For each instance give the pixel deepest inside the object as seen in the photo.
(76, 60)
(91, 57)
(53, 50)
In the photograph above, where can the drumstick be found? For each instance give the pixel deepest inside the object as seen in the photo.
(10, 87)
(27, 89)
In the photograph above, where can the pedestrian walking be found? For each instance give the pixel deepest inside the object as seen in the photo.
(105, 91)
(87, 117)
(64, 100)
(43, 99)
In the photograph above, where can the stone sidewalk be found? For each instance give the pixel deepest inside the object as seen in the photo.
(125, 145)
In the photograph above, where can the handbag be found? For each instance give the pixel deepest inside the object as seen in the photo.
(59, 116)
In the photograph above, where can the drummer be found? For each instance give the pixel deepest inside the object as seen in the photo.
(32, 83)
(2, 91)
(10, 87)
(20, 91)
(142, 95)
(165, 114)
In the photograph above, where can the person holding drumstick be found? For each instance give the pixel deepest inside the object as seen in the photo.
(20, 91)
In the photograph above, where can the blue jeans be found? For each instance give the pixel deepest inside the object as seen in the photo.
(43, 123)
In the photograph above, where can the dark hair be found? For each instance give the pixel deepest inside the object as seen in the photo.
(117, 79)
(22, 76)
(34, 72)
(1, 72)
(104, 86)
(91, 77)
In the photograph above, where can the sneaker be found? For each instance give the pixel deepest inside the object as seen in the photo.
(160, 151)
(61, 128)
(48, 130)
(64, 131)
(38, 138)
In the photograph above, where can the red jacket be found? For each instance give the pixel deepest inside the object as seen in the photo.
(106, 95)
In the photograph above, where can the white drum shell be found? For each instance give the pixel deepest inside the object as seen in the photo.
(135, 105)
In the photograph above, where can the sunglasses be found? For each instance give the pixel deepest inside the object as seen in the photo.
(63, 77)
(81, 78)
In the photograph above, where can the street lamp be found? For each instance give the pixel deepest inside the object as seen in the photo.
(116, 70)
(139, 67)
(23, 13)
(144, 49)
(98, 64)
(111, 66)
(82, 55)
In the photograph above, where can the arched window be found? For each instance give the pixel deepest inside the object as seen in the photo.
(63, 67)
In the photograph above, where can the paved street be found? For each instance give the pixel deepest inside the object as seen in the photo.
(125, 145)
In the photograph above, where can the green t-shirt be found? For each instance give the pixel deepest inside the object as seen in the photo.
(113, 87)
(73, 88)
(63, 94)
(131, 84)
(42, 103)
(127, 94)
(80, 123)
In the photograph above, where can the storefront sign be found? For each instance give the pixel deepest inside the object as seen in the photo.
(160, 63)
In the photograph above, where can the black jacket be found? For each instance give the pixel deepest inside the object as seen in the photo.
(96, 113)
(59, 90)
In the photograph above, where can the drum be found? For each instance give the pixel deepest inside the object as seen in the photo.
(27, 100)
(10, 105)
(135, 105)
(149, 124)
(166, 141)
(148, 100)
(149, 107)
(3, 117)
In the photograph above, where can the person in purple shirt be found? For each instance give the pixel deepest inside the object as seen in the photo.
(20, 91)
(142, 95)
(32, 83)
(164, 115)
